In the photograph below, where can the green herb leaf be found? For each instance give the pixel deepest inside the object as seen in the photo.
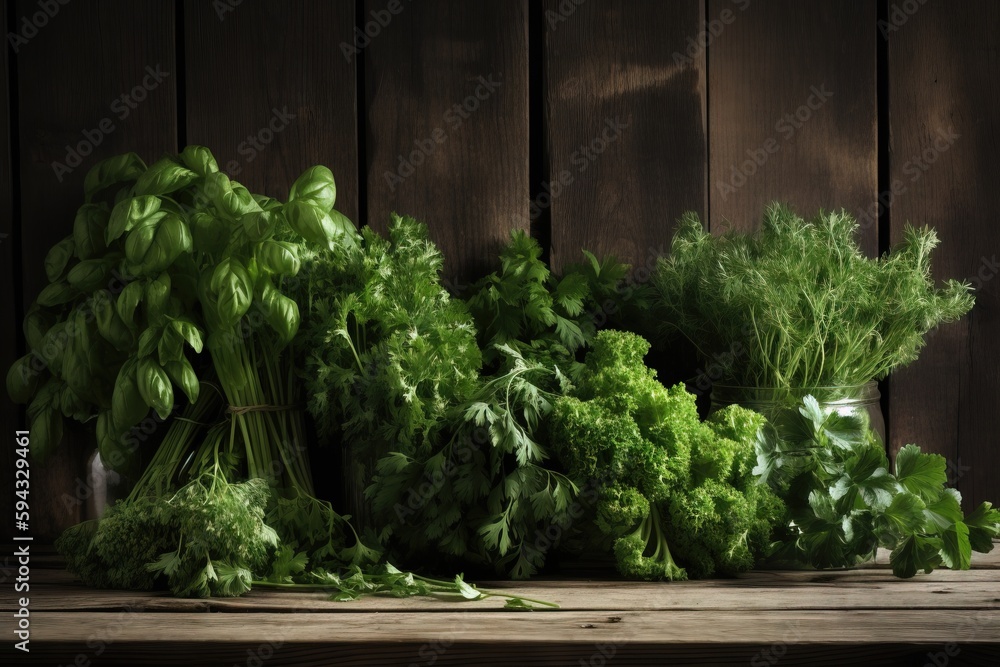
(315, 185)
(920, 473)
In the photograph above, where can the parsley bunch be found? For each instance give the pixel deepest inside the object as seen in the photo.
(843, 502)
(461, 464)
(676, 496)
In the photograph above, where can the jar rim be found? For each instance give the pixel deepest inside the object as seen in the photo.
(798, 388)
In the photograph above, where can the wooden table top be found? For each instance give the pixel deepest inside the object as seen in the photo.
(761, 618)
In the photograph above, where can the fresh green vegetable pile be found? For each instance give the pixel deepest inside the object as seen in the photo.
(477, 466)
(395, 372)
(493, 432)
(797, 304)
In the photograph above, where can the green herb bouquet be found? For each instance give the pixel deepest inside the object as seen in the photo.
(797, 323)
(797, 304)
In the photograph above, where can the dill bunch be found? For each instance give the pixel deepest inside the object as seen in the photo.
(798, 304)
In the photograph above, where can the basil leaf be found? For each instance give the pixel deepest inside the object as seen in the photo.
(118, 169)
(76, 372)
(279, 257)
(88, 230)
(316, 225)
(23, 379)
(130, 213)
(231, 282)
(36, 324)
(53, 346)
(127, 302)
(89, 275)
(315, 185)
(111, 445)
(183, 375)
(164, 177)
(189, 332)
(157, 297)
(148, 341)
(210, 233)
(199, 160)
(230, 198)
(140, 238)
(259, 225)
(170, 347)
(58, 257)
(280, 312)
(155, 388)
(56, 294)
(344, 230)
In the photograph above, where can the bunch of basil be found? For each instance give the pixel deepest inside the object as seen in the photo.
(162, 259)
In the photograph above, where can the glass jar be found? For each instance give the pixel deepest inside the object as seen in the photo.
(861, 402)
(104, 487)
(785, 424)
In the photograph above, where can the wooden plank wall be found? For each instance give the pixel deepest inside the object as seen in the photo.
(622, 94)
(944, 107)
(10, 417)
(804, 72)
(594, 124)
(447, 123)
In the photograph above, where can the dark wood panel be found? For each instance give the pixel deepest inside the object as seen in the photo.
(72, 76)
(626, 122)
(271, 93)
(447, 124)
(9, 317)
(792, 109)
(944, 107)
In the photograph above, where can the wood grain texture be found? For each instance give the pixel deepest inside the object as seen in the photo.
(72, 76)
(752, 594)
(792, 110)
(870, 587)
(11, 416)
(945, 117)
(626, 122)
(500, 638)
(447, 125)
(270, 93)
(825, 618)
